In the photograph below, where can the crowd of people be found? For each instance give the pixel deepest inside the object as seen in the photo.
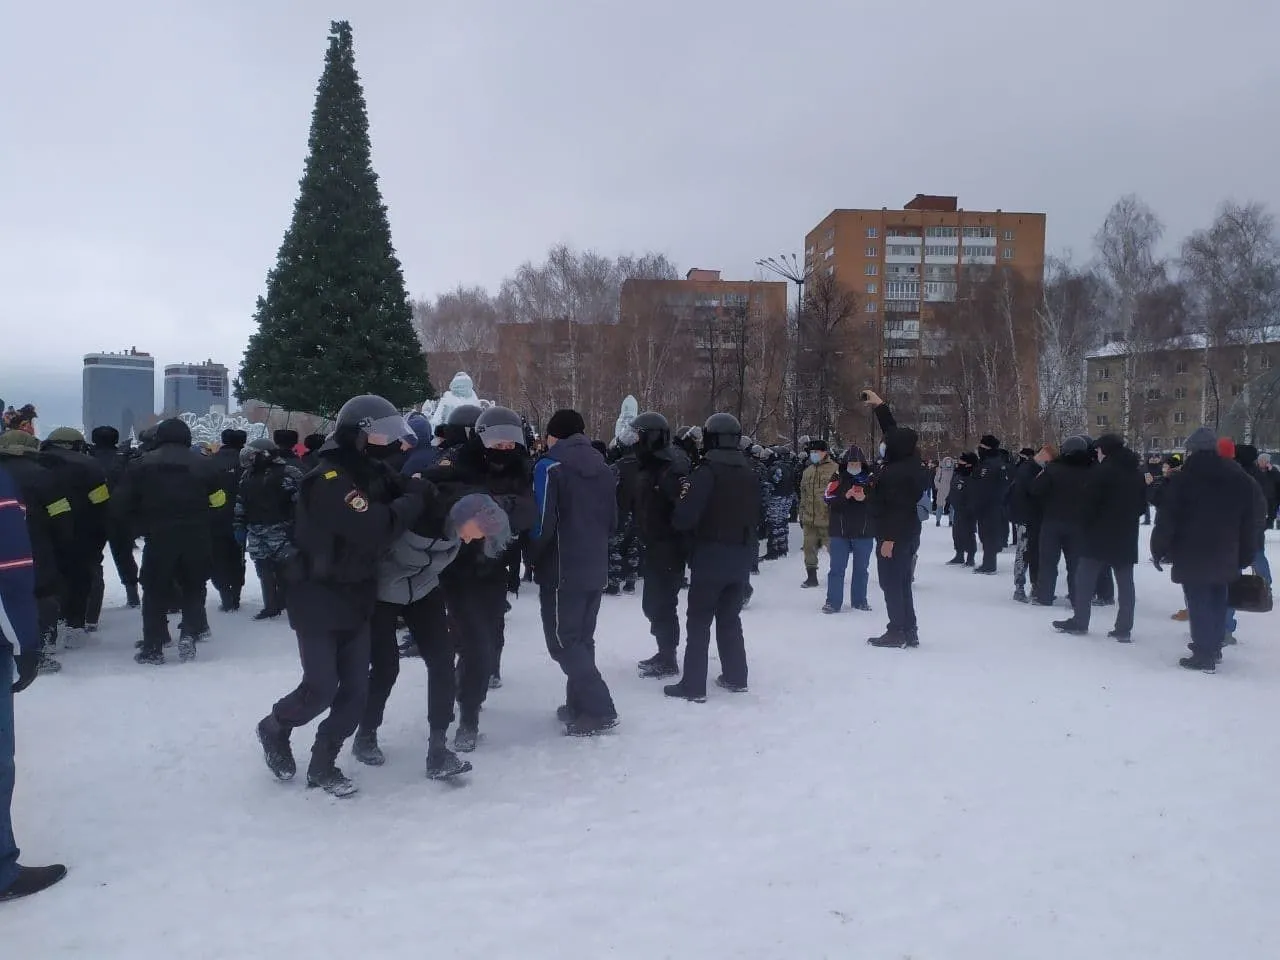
(387, 524)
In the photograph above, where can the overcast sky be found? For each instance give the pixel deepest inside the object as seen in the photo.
(150, 149)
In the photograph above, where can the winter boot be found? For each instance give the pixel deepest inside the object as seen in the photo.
(32, 880)
(969, 560)
(612, 590)
(495, 681)
(443, 763)
(131, 596)
(186, 648)
(890, 638)
(266, 614)
(1229, 639)
(811, 578)
(407, 647)
(658, 666)
(149, 657)
(828, 608)
(468, 735)
(226, 603)
(1020, 595)
(956, 561)
(564, 713)
(584, 726)
(274, 737)
(678, 691)
(323, 772)
(364, 747)
(48, 663)
(629, 587)
(724, 684)
(1069, 627)
(1198, 662)
(1120, 637)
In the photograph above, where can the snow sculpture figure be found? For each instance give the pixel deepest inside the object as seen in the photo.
(208, 427)
(623, 435)
(460, 393)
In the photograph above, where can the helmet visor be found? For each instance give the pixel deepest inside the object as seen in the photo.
(492, 434)
(387, 431)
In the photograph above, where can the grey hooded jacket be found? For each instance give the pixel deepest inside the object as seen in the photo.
(411, 568)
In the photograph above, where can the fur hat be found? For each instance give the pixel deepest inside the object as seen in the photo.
(566, 423)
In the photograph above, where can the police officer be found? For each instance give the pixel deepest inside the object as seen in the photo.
(228, 552)
(114, 461)
(987, 491)
(350, 510)
(719, 505)
(663, 471)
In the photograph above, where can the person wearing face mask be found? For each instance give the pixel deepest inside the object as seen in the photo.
(350, 510)
(814, 515)
(852, 532)
(491, 460)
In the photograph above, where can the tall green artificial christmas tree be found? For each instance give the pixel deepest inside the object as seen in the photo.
(335, 321)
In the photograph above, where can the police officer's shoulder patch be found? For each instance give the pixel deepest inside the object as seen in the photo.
(445, 462)
(331, 474)
(356, 501)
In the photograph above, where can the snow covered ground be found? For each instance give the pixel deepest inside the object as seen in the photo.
(1001, 793)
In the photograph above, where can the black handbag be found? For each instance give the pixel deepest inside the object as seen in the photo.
(1250, 594)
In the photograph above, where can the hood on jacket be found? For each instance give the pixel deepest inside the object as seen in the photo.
(899, 443)
(421, 428)
(1246, 455)
(1202, 440)
(173, 431)
(105, 437)
(19, 442)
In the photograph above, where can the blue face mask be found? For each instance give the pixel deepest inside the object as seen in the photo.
(815, 457)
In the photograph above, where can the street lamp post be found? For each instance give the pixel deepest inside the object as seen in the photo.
(788, 267)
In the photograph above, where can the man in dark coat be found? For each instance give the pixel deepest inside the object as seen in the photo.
(1114, 499)
(286, 442)
(1208, 524)
(1025, 512)
(114, 462)
(990, 482)
(895, 495)
(964, 525)
(1247, 457)
(577, 514)
(227, 570)
(1059, 491)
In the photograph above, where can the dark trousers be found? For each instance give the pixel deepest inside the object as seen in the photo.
(1207, 614)
(1026, 560)
(97, 588)
(227, 561)
(714, 599)
(660, 600)
(8, 769)
(1088, 570)
(429, 628)
(477, 609)
(964, 533)
(335, 677)
(180, 561)
(75, 564)
(993, 530)
(1104, 585)
(569, 625)
(47, 619)
(272, 580)
(122, 556)
(895, 582)
(1057, 540)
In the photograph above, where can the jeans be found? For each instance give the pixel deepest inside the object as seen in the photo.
(895, 581)
(1207, 613)
(1088, 571)
(8, 846)
(842, 551)
(1261, 566)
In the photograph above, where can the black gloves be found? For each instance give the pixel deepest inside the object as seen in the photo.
(28, 665)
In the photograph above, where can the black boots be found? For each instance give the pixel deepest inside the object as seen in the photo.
(364, 747)
(229, 598)
(659, 665)
(1070, 627)
(32, 880)
(443, 763)
(274, 737)
(131, 596)
(324, 773)
(895, 639)
(811, 578)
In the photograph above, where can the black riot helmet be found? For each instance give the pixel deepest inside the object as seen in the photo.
(496, 425)
(652, 431)
(464, 417)
(722, 431)
(258, 451)
(369, 420)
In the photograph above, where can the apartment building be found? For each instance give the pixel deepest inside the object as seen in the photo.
(909, 268)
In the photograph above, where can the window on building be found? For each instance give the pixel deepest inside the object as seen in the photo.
(871, 233)
(1008, 236)
(871, 251)
(1153, 393)
(871, 287)
(1104, 373)
(1101, 420)
(1265, 362)
(1006, 253)
(1153, 443)
(1103, 396)
(831, 252)
(1179, 441)
(1179, 393)
(1181, 367)
(871, 269)
(1179, 417)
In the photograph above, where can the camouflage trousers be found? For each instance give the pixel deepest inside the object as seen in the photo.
(624, 554)
(778, 520)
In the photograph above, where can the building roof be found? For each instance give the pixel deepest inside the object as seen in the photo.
(1185, 342)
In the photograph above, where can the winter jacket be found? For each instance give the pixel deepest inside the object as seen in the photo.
(942, 481)
(658, 483)
(577, 514)
(1024, 508)
(1114, 500)
(172, 488)
(717, 508)
(411, 568)
(960, 500)
(264, 509)
(1210, 520)
(422, 458)
(18, 620)
(898, 486)
(1059, 489)
(84, 484)
(48, 511)
(990, 483)
(849, 519)
(813, 487)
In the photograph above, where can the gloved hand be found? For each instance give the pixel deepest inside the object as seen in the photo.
(28, 665)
